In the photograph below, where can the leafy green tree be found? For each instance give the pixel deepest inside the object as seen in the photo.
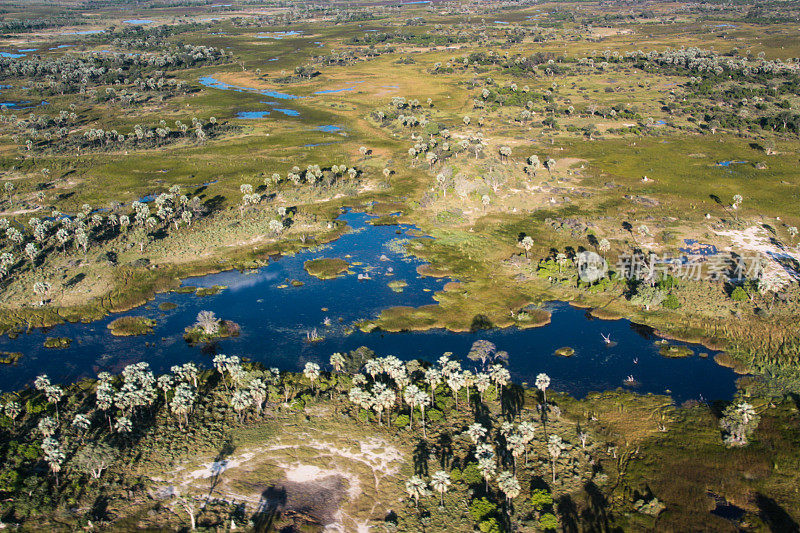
(94, 458)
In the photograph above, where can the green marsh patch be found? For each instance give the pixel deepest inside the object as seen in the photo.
(675, 352)
(326, 268)
(565, 351)
(209, 291)
(57, 342)
(10, 358)
(128, 326)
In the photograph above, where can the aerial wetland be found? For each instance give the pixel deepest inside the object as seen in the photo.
(373, 265)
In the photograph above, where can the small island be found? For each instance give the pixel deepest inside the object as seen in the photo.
(326, 268)
(565, 351)
(672, 351)
(209, 328)
(57, 342)
(10, 358)
(128, 326)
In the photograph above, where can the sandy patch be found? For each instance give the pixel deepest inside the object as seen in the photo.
(781, 260)
(327, 486)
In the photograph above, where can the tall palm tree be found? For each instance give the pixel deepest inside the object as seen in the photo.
(604, 246)
(509, 484)
(554, 448)
(542, 382)
(337, 362)
(476, 432)
(411, 396)
(456, 383)
(240, 401)
(440, 481)
(417, 488)
(312, 373)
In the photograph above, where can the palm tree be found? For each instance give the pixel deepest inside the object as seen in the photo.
(487, 467)
(240, 401)
(258, 393)
(416, 487)
(500, 376)
(476, 432)
(123, 425)
(54, 456)
(337, 362)
(604, 246)
(47, 427)
(12, 410)
(482, 382)
(181, 404)
(527, 431)
(508, 483)
(82, 424)
(554, 448)
(440, 481)
(516, 445)
(542, 382)
(526, 244)
(312, 373)
(456, 383)
(54, 394)
(422, 402)
(433, 377)
(411, 396)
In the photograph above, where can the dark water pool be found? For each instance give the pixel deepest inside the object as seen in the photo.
(275, 321)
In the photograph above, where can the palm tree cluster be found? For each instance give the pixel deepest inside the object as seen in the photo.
(388, 384)
(56, 232)
(73, 74)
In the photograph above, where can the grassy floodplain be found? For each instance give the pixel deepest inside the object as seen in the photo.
(141, 144)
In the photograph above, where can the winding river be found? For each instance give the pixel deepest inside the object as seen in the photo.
(275, 317)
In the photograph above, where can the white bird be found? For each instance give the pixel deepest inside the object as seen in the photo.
(635, 360)
(606, 338)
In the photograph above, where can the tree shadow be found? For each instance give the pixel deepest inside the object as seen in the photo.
(420, 457)
(444, 445)
(226, 450)
(774, 516)
(480, 322)
(269, 509)
(513, 400)
(595, 516)
(568, 513)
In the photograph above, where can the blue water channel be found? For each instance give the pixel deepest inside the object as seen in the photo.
(275, 317)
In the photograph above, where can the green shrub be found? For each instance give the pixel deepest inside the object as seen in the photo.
(739, 295)
(482, 508)
(489, 526)
(435, 415)
(401, 421)
(548, 522)
(541, 499)
(472, 475)
(671, 302)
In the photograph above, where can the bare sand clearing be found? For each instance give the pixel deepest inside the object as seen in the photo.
(330, 493)
(781, 259)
